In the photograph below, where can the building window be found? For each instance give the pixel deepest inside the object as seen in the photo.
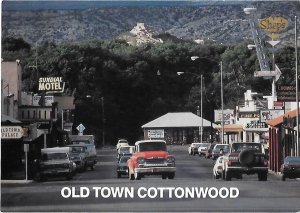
(45, 114)
(28, 114)
(23, 114)
(39, 114)
(34, 114)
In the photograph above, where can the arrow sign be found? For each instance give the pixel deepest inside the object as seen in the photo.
(80, 128)
(276, 73)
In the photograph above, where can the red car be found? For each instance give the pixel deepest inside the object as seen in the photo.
(151, 158)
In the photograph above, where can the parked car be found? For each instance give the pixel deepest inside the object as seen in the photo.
(245, 158)
(202, 149)
(56, 162)
(122, 142)
(151, 158)
(78, 156)
(209, 150)
(125, 151)
(122, 168)
(290, 168)
(218, 167)
(193, 148)
(219, 149)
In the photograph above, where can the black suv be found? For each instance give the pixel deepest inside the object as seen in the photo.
(245, 158)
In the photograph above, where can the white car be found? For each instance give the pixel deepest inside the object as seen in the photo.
(202, 149)
(218, 167)
(193, 148)
(121, 143)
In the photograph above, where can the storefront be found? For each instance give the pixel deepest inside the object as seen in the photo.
(282, 139)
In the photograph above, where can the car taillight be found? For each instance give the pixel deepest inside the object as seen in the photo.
(266, 162)
(229, 163)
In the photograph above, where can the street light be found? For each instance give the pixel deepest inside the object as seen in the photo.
(297, 91)
(222, 98)
(103, 119)
(201, 102)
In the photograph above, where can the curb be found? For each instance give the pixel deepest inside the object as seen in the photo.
(16, 181)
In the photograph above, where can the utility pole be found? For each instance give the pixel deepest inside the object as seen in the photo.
(222, 103)
(297, 91)
(103, 122)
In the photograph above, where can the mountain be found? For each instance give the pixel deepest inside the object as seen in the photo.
(226, 23)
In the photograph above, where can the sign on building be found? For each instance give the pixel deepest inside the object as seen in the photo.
(248, 115)
(51, 84)
(269, 114)
(156, 133)
(48, 100)
(286, 93)
(228, 115)
(11, 132)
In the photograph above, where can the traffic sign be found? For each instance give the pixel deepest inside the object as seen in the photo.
(80, 128)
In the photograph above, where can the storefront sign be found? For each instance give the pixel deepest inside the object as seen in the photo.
(248, 115)
(48, 100)
(51, 84)
(228, 114)
(266, 115)
(156, 133)
(286, 93)
(273, 24)
(11, 132)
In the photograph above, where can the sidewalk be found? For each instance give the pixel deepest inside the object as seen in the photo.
(17, 177)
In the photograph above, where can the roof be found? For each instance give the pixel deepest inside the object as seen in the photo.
(148, 141)
(231, 127)
(279, 120)
(8, 119)
(177, 119)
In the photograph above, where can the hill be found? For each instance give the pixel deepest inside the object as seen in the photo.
(223, 23)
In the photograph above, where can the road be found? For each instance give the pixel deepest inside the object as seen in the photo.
(153, 193)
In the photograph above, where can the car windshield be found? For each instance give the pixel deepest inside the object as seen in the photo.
(125, 150)
(204, 145)
(54, 156)
(219, 147)
(124, 159)
(77, 149)
(238, 147)
(293, 160)
(153, 146)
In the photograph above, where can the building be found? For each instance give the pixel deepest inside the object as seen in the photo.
(283, 139)
(178, 128)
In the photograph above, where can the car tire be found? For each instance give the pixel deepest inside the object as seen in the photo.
(137, 176)
(171, 175)
(227, 176)
(283, 177)
(69, 177)
(262, 176)
(164, 176)
(223, 175)
(119, 175)
(130, 176)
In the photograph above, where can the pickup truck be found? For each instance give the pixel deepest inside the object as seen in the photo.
(245, 158)
(151, 158)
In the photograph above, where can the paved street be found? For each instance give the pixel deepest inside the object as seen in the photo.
(192, 172)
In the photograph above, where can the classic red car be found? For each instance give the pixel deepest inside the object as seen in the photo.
(151, 158)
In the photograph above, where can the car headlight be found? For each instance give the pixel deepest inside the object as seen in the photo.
(170, 159)
(140, 160)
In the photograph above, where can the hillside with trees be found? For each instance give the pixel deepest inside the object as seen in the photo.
(126, 76)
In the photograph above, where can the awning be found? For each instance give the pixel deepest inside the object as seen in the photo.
(279, 120)
(9, 119)
(231, 128)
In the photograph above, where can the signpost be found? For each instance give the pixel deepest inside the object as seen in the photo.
(26, 150)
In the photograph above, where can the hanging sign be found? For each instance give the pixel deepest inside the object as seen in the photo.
(11, 132)
(51, 84)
